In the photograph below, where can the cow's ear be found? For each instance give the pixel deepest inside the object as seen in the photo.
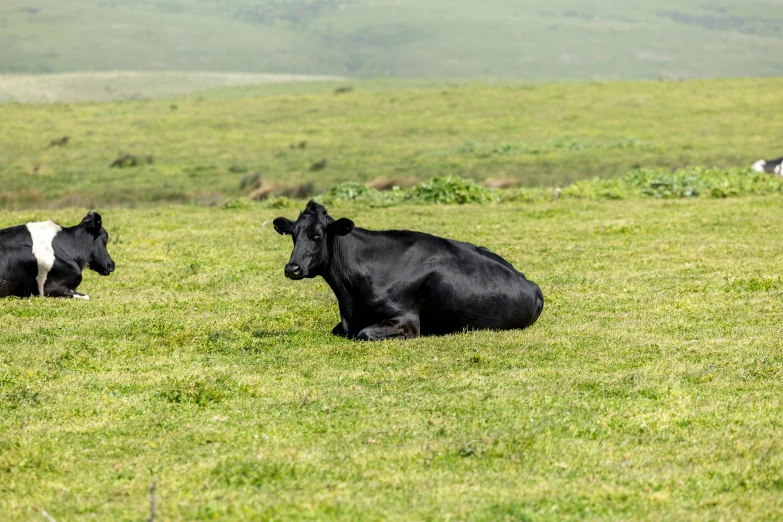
(283, 225)
(341, 227)
(93, 222)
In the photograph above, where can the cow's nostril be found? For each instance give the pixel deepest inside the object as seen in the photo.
(293, 271)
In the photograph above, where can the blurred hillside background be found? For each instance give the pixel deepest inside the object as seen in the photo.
(531, 39)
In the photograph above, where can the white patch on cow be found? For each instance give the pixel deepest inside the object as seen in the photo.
(43, 234)
(759, 166)
(779, 170)
(83, 296)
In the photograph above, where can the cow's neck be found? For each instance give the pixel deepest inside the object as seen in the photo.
(344, 253)
(76, 242)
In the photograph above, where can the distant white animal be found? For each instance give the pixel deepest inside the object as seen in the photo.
(774, 166)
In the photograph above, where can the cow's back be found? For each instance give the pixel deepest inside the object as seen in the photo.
(18, 265)
(452, 285)
(17, 236)
(477, 288)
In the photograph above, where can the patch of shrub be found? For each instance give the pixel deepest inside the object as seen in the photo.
(450, 190)
(694, 182)
(279, 202)
(662, 184)
(354, 192)
(319, 165)
(350, 191)
(131, 160)
(689, 182)
(60, 142)
(236, 204)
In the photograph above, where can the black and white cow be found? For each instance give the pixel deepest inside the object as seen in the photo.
(774, 166)
(398, 283)
(45, 259)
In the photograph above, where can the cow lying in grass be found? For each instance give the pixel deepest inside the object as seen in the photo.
(774, 166)
(45, 259)
(399, 284)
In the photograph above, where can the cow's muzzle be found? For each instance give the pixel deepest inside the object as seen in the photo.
(108, 270)
(293, 271)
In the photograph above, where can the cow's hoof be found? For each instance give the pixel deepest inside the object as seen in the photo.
(81, 296)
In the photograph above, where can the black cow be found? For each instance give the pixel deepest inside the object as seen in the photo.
(46, 259)
(399, 284)
(774, 166)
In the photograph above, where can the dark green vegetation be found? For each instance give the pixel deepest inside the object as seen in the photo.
(649, 389)
(640, 184)
(614, 39)
(203, 148)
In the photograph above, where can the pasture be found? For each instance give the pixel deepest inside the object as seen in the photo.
(649, 389)
(202, 148)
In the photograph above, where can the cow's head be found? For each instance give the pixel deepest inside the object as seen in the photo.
(99, 259)
(312, 233)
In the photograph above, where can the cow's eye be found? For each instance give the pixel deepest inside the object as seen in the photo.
(317, 237)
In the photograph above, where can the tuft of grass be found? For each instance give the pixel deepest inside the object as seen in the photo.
(198, 390)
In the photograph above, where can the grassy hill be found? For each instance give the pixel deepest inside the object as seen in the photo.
(202, 148)
(611, 39)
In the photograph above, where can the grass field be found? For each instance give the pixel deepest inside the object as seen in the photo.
(556, 39)
(203, 147)
(649, 389)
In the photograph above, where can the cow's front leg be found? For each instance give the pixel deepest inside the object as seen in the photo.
(340, 329)
(403, 327)
(77, 295)
(59, 291)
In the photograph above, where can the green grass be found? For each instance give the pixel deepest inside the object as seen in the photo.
(649, 389)
(541, 135)
(610, 39)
